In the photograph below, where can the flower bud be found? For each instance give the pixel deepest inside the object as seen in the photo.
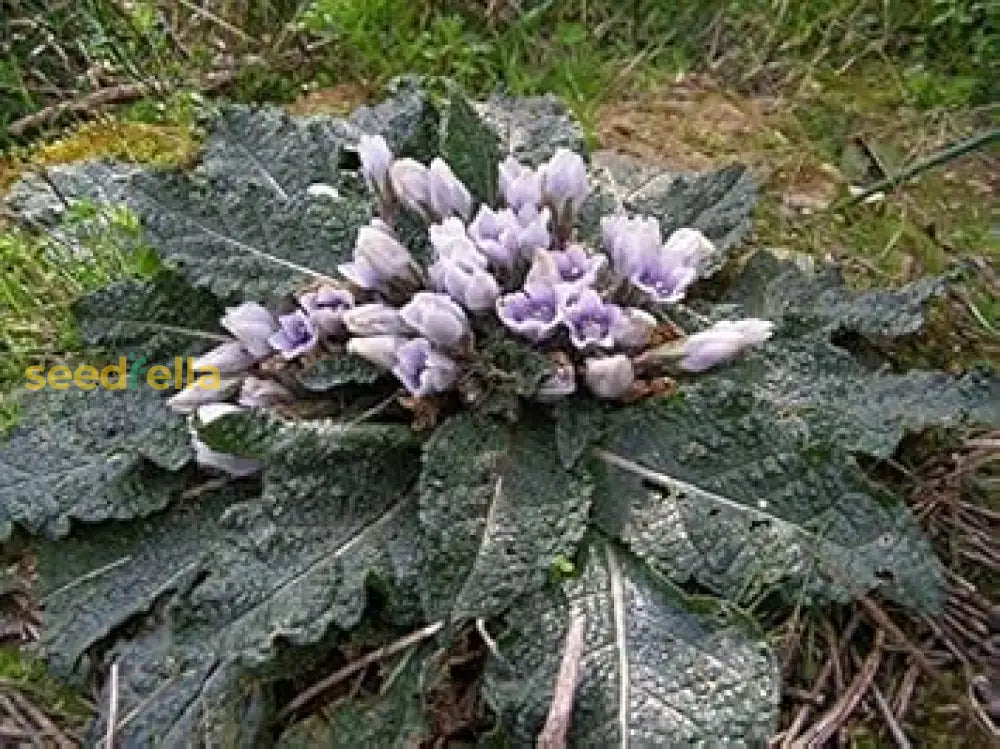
(722, 342)
(375, 319)
(228, 358)
(447, 195)
(298, 335)
(520, 185)
(410, 182)
(375, 160)
(466, 282)
(380, 350)
(559, 384)
(379, 259)
(260, 393)
(609, 377)
(196, 394)
(252, 324)
(437, 318)
(564, 185)
(497, 235)
(637, 328)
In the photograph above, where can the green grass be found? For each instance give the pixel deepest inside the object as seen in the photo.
(28, 676)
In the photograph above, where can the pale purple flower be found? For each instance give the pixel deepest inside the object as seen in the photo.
(559, 384)
(228, 358)
(520, 185)
(722, 342)
(534, 234)
(198, 394)
(609, 377)
(465, 281)
(260, 393)
(206, 457)
(576, 268)
(638, 326)
(375, 318)
(532, 313)
(664, 282)
(497, 235)
(251, 324)
(629, 241)
(297, 335)
(447, 196)
(410, 182)
(422, 370)
(375, 161)
(450, 241)
(688, 247)
(380, 350)
(437, 318)
(326, 306)
(590, 320)
(564, 184)
(379, 259)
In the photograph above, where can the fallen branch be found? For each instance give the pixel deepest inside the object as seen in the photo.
(338, 676)
(553, 735)
(119, 94)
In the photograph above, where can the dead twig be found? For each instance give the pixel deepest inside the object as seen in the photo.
(338, 676)
(834, 718)
(553, 735)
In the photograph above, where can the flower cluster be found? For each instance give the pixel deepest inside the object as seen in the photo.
(596, 313)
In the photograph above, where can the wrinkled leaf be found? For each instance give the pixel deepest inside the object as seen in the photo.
(531, 129)
(658, 668)
(88, 455)
(335, 370)
(159, 319)
(709, 487)
(275, 570)
(471, 148)
(496, 509)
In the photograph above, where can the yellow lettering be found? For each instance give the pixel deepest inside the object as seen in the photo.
(178, 373)
(35, 377)
(210, 379)
(120, 369)
(60, 377)
(158, 377)
(86, 377)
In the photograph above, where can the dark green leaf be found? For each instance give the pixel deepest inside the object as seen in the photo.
(471, 148)
(407, 119)
(709, 486)
(533, 128)
(88, 455)
(496, 509)
(659, 668)
(159, 319)
(241, 580)
(337, 369)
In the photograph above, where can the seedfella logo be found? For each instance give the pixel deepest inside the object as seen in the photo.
(127, 374)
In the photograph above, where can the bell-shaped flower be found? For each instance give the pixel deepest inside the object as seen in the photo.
(422, 370)
(534, 234)
(297, 335)
(722, 342)
(410, 182)
(520, 185)
(375, 161)
(637, 328)
(451, 241)
(532, 313)
(251, 324)
(375, 318)
(559, 384)
(206, 457)
(591, 321)
(463, 278)
(201, 392)
(688, 247)
(326, 306)
(497, 235)
(380, 350)
(564, 184)
(257, 392)
(629, 242)
(609, 377)
(447, 196)
(576, 268)
(437, 318)
(228, 358)
(379, 260)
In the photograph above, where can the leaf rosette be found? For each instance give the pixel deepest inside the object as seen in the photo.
(461, 379)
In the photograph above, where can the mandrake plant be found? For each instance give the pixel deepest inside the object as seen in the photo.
(463, 380)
